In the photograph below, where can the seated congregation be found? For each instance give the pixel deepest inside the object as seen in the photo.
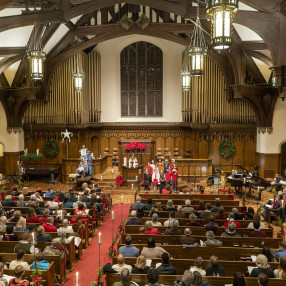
(46, 231)
(196, 242)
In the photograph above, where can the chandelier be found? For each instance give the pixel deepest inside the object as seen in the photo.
(198, 48)
(221, 13)
(186, 75)
(36, 57)
(78, 75)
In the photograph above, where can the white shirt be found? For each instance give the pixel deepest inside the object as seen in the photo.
(15, 263)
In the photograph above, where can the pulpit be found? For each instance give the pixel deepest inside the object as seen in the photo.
(142, 156)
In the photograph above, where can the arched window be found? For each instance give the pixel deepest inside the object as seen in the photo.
(141, 80)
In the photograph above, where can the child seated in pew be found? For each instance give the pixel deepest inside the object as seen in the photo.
(19, 261)
(19, 272)
(21, 225)
(9, 235)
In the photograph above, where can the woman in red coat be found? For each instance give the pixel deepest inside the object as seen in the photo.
(31, 216)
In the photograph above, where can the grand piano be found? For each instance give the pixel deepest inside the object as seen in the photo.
(248, 180)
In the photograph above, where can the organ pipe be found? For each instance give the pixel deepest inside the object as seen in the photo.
(65, 106)
(208, 102)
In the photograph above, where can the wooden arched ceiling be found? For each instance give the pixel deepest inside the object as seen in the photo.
(83, 33)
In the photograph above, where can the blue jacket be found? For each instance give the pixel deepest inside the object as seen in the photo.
(41, 265)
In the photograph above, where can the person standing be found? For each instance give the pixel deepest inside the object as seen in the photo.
(146, 182)
(88, 157)
(160, 166)
(155, 180)
(21, 169)
(166, 165)
(162, 181)
(174, 177)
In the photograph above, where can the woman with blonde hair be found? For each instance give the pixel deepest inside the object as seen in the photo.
(170, 206)
(155, 221)
(140, 266)
(262, 267)
(193, 221)
(281, 271)
(21, 225)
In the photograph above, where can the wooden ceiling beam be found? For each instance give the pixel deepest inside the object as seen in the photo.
(262, 5)
(9, 62)
(260, 57)
(7, 51)
(49, 32)
(254, 45)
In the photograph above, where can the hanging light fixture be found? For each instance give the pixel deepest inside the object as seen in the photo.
(78, 75)
(198, 48)
(186, 75)
(221, 13)
(36, 57)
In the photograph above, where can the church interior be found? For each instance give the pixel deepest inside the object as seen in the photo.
(152, 106)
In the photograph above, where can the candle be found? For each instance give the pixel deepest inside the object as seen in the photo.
(33, 237)
(132, 187)
(101, 178)
(93, 186)
(112, 172)
(112, 214)
(99, 237)
(37, 151)
(125, 161)
(139, 171)
(76, 278)
(122, 199)
(17, 162)
(136, 178)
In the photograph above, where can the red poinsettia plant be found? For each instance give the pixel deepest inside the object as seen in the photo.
(135, 146)
(119, 180)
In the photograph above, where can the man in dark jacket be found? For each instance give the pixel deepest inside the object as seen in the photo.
(133, 219)
(187, 239)
(166, 268)
(8, 202)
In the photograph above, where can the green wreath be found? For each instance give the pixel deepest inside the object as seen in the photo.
(51, 148)
(226, 149)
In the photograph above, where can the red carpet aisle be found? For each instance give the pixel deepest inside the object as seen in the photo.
(88, 264)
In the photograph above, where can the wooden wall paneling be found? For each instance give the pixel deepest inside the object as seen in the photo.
(160, 143)
(268, 162)
(249, 152)
(214, 155)
(2, 167)
(170, 145)
(238, 156)
(203, 150)
(188, 145)
(113, 143)
(10, 162)
(95, 146)
(179, 143)
(103, 144)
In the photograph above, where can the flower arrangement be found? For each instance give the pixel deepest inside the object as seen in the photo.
(135, 146)
(119, 180)
(98, 281)
(37, 278)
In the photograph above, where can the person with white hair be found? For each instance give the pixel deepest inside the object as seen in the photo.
(187, 208)
(33, 198)
(53, 249)
(155, 221)
(133, 219)
(8, 202)
(21, 203)
(138, 203)
(66, 227)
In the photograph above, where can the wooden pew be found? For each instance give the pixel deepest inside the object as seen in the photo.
(8, 247)
(141, 279)
(48, 275)
(227, 209)
(227, 253)
(133, 229)
(186, 196)
(60, 264)
(181, 201)
(230, 267)
(183, 221)
(226, 241)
